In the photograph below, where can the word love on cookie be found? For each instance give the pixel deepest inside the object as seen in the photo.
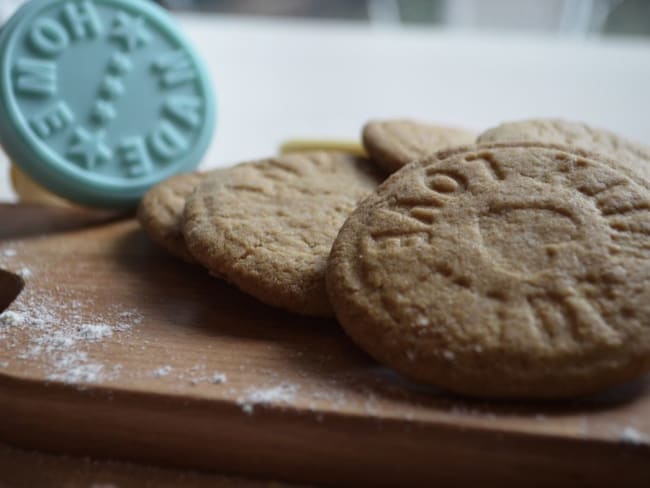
(101, 99)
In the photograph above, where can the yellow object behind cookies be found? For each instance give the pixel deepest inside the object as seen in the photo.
(302, 145)
(29, 191)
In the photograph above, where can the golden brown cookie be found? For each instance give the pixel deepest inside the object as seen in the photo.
(631, 155)
(268, 226)
(161, 210)
(395, 143)
(501, 271)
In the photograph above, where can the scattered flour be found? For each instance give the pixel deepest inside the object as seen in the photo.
(8, 253)
(422, 321)
(25, 272)
(56, 332)
(11, 319)
(81, 373)
(219, 378)
(448, 355)
(94, 332)
(283, 393)
(197, 374)
(162, 371)
(633, 436)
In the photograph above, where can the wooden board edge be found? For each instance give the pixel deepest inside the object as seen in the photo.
(299, 446)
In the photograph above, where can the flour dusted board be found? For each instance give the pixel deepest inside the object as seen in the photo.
(114, 349)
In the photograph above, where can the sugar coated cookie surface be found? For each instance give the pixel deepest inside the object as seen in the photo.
(395, 143)
(268, 226)
(161, 210)
(632, 155)
(502, 271)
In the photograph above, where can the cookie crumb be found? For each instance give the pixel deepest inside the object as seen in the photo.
(449, 355)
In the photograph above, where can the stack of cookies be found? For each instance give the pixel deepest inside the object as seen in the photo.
(515, 264)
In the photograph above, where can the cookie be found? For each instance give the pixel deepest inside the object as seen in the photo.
(633, 156)
(268, 226)
(395, 143)
(501, 271)
(161, 210)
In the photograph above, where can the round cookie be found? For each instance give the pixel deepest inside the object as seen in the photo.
(501, 271)
(161, 210)
(395, 143)
(268, 226)
(631, 155)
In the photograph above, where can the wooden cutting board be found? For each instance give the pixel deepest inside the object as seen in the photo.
(114, 350)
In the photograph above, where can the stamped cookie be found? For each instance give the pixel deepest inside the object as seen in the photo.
(502, 271)
(631, 155)
(395, 143)
(268, 226)
(161, 210)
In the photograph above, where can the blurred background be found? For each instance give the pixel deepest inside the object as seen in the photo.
(577, 17)
(570, 17)
(319, 69)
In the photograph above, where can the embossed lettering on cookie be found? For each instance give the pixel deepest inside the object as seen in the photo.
(515, 270)
(101, 99)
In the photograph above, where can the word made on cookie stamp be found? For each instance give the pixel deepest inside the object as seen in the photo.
(101, 99)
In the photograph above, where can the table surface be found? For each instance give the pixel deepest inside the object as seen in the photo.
(284, 79)
(21, 468)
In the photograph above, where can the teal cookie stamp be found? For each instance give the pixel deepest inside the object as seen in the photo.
(101, 99)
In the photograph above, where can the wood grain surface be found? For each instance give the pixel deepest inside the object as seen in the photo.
(115, 350)
(20, 468)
